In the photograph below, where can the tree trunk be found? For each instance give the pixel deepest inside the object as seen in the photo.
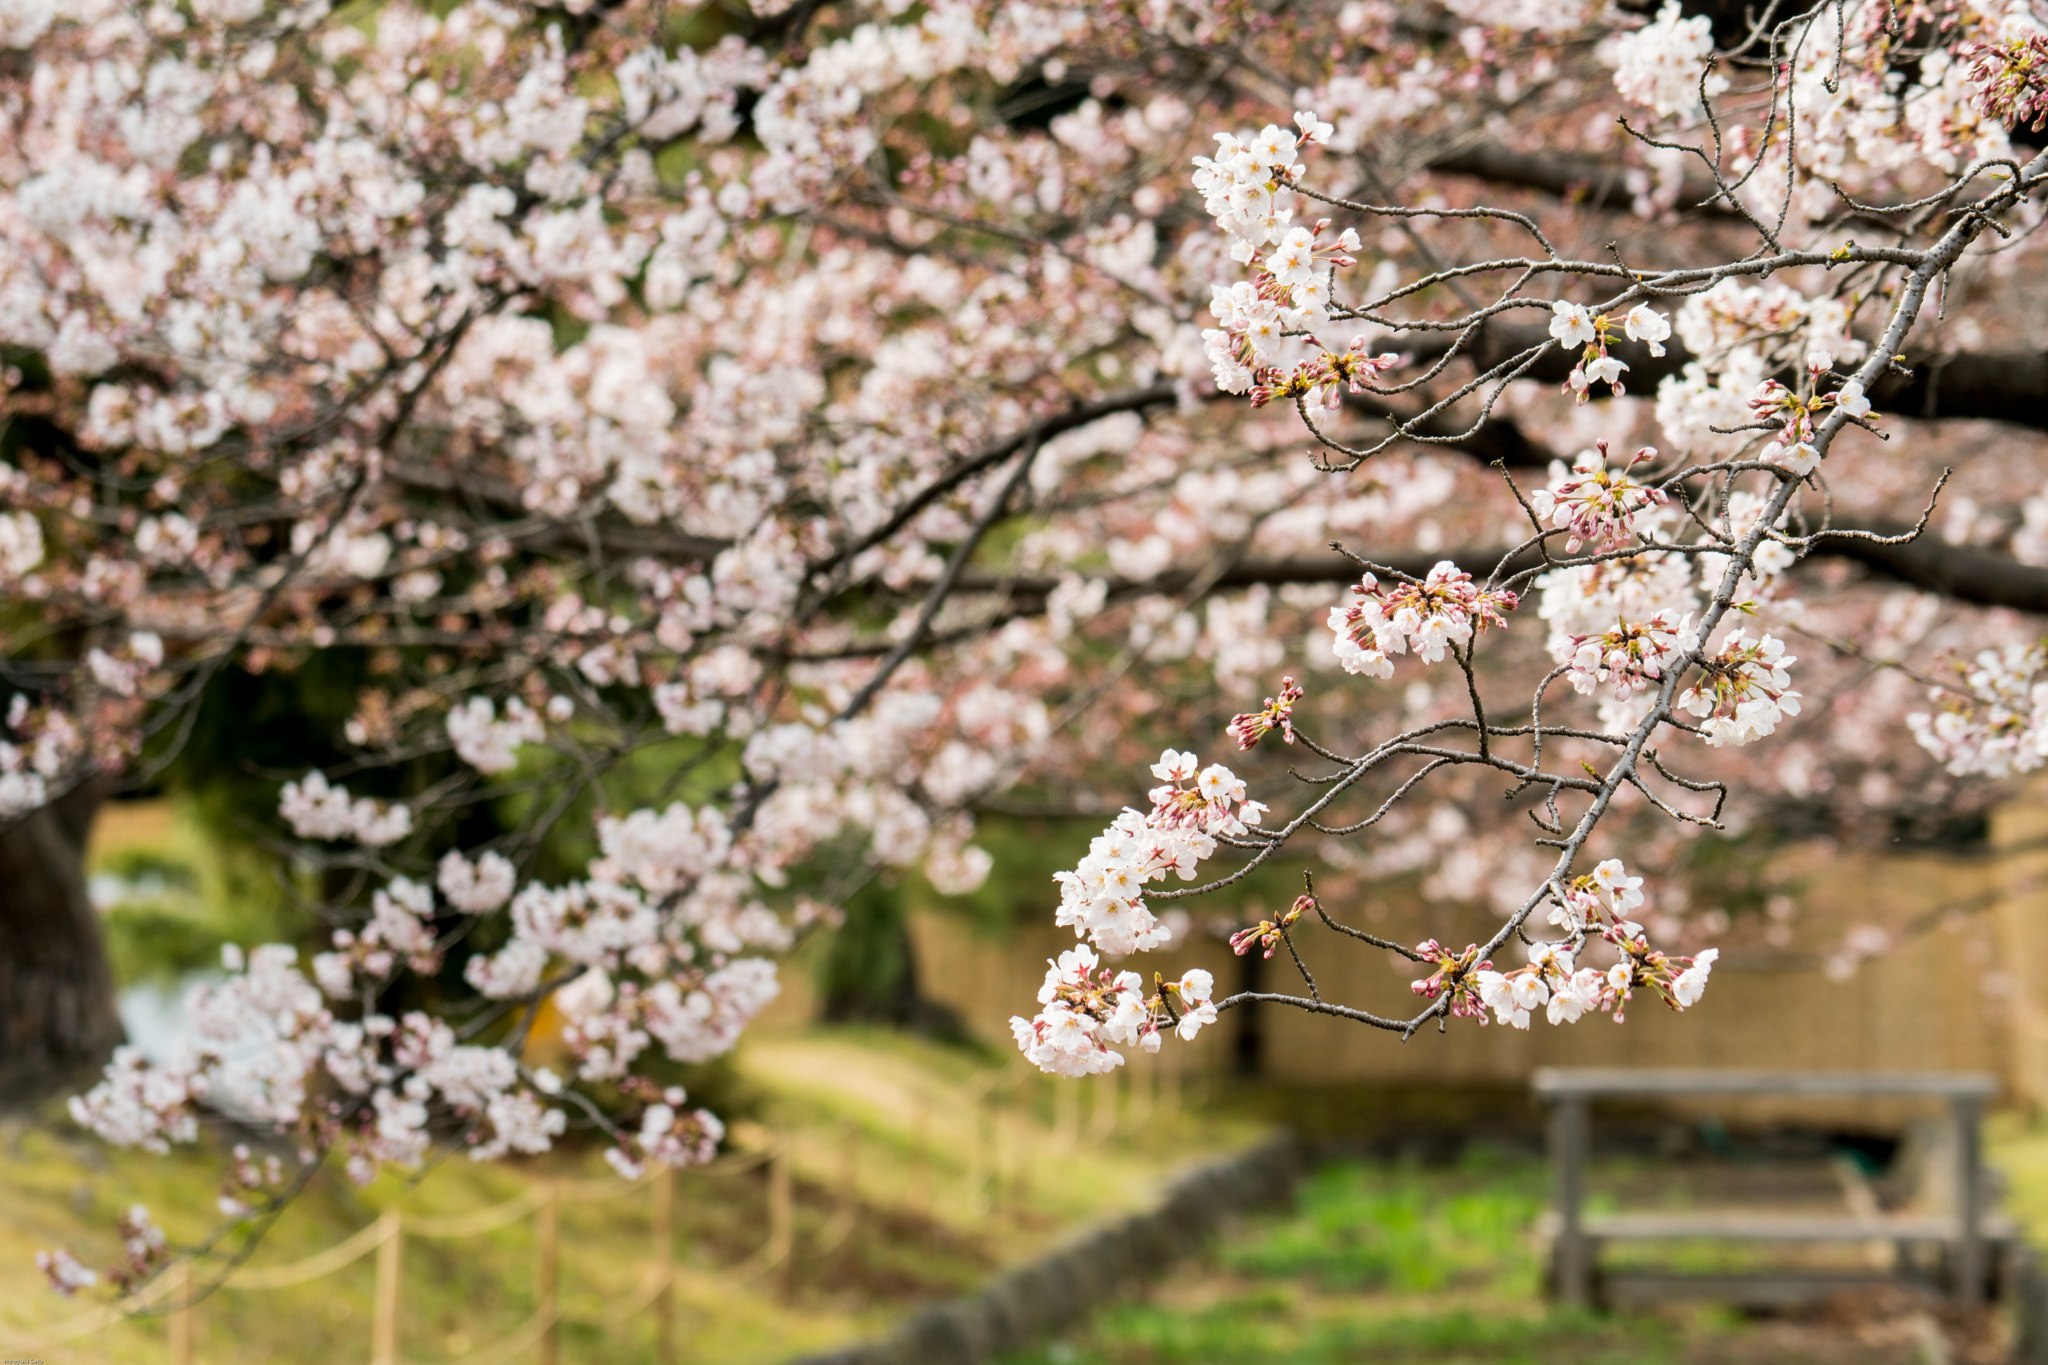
(57, 1015)
(871, 971)
(1248, 1048)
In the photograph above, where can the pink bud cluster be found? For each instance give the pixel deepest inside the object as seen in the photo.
(1632, 654)
(1325, 377)
(1278, 714)
(1456, 975)
(1792, 448)
(1268, 933)
(2011, 77)
(1596, 506)
(1432, 616)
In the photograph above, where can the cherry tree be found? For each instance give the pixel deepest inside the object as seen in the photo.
(1637, 564)
(720, 441)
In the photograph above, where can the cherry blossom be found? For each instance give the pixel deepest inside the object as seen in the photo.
(1744, 690)
(1433, 615)
(778, 406)
(1599, 505)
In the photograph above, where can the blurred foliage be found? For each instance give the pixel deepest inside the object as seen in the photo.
(171, 891)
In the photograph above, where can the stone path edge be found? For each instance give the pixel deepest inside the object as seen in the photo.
(1033, 1300)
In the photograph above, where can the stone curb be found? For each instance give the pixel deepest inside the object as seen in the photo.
(1029, 1301)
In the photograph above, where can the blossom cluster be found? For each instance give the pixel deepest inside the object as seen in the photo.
(667, 1133)
(1288, 297)
(1631, 655)
(1993, 720)
(1088, 1011)
(1553, 982)
(1575, 325)
(1102, 898)
(1666, 63)
(1241, 184)
(316, 810)
(1596, 505)
(488, 743)
(266, 1051)
(44, 744)
(1743, 691)
(1439, 613)
(1594, 909)
(1795, 416)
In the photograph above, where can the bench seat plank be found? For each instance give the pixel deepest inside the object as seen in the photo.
(1746, 1226)
(1622, 1082)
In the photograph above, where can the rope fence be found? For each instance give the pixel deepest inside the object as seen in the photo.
(178, 1294)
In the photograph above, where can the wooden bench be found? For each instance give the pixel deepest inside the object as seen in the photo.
(1965, 1239)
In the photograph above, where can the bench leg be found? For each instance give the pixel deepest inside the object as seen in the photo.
(1969, 1258)
(1572, 1254)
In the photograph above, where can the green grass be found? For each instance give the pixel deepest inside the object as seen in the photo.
(1356, 1227)
(927, 1222)
(897, 1114)
(1400, 1264)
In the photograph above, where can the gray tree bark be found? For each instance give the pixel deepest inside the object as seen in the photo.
(57, 1014)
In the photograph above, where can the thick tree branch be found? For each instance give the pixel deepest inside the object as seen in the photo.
(1965, 573)
(2002, 386)
(1587, 181)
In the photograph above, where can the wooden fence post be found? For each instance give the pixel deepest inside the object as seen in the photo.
(849, 1177)
(665, 1257)
(989, 1179)
(384, 1313)
(181, 1313)
(1102, 1122)
(920, 1156)
(980, 1146)
(546, 1266)
(781, 1217)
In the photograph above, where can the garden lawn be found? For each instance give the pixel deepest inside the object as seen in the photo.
(1391, 1263)
(958, 1164)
